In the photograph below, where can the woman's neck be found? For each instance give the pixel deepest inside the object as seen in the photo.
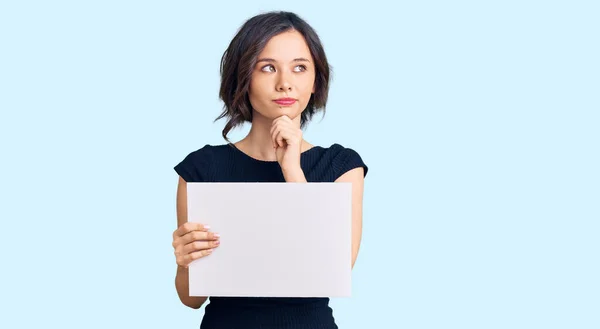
(258, 143)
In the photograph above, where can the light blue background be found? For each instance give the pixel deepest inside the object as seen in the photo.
(479, 122)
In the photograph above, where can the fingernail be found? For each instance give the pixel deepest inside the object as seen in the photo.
(217, 235)
(217, 242)
(207, 227)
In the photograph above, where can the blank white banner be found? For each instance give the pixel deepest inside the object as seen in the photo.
(277, 239)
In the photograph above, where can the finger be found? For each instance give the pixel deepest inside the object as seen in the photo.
(276, 137)
(283, 117)
(188, 227)
(187, 259)
(198, 236)
(274, 134)
(281, 138)
(287, 136)
(198, 245)
(194, 236)
(275, 126)
(281, 121)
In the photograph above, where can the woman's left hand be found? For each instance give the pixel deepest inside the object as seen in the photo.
(287, 141)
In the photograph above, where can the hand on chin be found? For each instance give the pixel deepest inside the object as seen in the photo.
(287, 141)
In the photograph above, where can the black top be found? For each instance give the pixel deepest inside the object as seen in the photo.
(226, 163)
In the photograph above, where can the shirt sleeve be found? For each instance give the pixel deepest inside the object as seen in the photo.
(347, 160)
(192, 167)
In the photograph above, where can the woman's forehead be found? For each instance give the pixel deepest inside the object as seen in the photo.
(286, 47)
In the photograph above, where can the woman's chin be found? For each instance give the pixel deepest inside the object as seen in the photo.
(285, 110)
(278, 111)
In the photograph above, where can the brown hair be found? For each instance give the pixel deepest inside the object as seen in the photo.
(240, 58)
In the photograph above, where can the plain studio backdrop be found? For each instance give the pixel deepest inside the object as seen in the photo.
(479, 122)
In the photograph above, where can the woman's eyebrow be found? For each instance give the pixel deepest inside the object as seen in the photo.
(271, 60)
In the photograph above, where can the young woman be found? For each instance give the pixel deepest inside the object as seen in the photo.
(275, 75)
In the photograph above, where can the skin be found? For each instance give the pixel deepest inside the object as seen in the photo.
(284, 69)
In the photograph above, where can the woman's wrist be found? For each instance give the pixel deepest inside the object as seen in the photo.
(294, 175)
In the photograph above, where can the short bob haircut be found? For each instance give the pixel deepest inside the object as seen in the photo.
(238, 61)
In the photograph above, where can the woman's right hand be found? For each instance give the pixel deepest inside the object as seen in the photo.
(192, 241)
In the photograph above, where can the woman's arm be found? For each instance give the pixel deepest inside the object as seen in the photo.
(182, 276)
(357, 178)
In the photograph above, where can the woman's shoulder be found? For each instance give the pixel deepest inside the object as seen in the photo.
(339, 158)
(195, 164)
(336, 150)
(208, 151)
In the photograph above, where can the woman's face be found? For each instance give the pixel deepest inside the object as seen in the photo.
(284, 69)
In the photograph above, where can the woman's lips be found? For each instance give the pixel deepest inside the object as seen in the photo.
(285, 101)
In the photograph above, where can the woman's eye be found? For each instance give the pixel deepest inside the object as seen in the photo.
(271, 68)
(268, 68)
